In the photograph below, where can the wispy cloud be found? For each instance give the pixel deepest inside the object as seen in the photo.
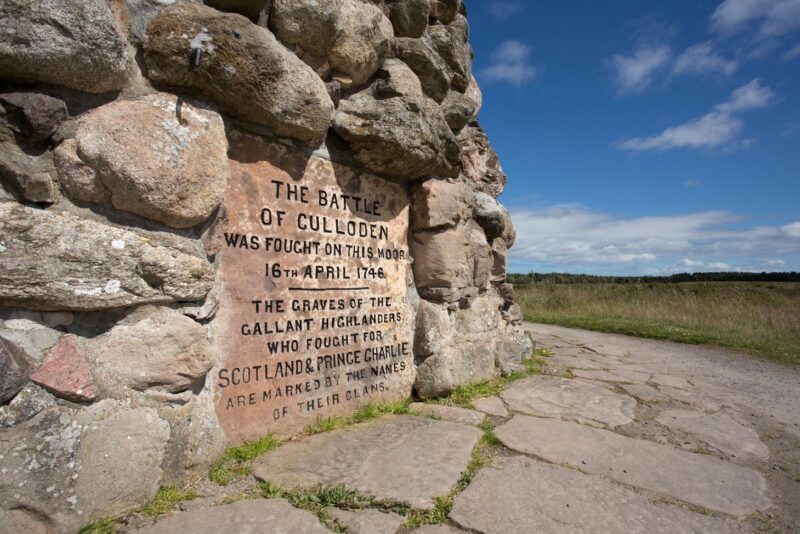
(792, 53)
(700, 60)
(718, 128)
(510, 63)
(690, 183)
(567, 237)
(634, 73)
(769, 18)
(503, 9)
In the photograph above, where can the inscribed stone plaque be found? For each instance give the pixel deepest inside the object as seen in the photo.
(314, 267)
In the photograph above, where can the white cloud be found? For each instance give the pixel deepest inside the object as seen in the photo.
(792, 53)
(720, 127)
(511, 64)
(503, 9)
(636, 72)
(569, 237)
(768, 18)
(701, 59)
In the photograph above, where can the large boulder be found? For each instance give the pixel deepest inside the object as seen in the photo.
(433, 329)
(152, 348)
(312, 26)
(396, 79)
(403, 137)
(75, 43)
(160, 157)
(445, 11)
(489, 214)
(57, 261)
(66, 373)
(427, 64)
(444, 258)
(453, 48)
(255, 10)
(15, 367)
(409, 17)
(239, 65)
(363, 41)
(482, 256)
(499, 261)
(480, 162)
(439, 203)
(459, 110)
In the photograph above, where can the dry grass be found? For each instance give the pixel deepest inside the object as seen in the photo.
(760, 318)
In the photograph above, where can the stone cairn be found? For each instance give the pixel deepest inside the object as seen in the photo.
(116, 118)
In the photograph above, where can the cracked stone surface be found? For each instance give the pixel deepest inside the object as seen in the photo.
(244, 517)
(718, 430)
(491, 406)
(369, 521)
(404, 458)
(694, 478)
(521, 495)
(449, 413)
(551, 396)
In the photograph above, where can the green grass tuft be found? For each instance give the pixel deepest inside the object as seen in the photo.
(231, 466)
(364, 412)
(106, 525)
(166, 500)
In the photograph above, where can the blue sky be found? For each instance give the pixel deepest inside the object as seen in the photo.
(645, 137)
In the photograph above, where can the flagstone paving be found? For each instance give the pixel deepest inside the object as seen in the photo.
(619, 434)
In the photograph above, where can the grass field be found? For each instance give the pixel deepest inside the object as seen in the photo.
(760, 318)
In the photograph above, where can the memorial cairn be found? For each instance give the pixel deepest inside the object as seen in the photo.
(224, 219)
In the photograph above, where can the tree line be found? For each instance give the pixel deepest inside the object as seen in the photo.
(568, 278)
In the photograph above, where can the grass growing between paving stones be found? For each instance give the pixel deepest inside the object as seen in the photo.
(107, 525)
(231, 466)
(166, 500)
(365, 412)
(760, 318)
(463, 396)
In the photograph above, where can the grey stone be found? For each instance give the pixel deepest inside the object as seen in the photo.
(719, 431)
(403, 137)
(409, 459)
(256, 10)
(396, 79)
(459, 110)
(119, 459)
(448, 413)
(35, 116)
(29, 402)
(427, 64)
(57, 261)
(694, 478)
(438, 529)
(439, 204)
(75, 43)
(452, 46)
(154, 347)
(243, 517)
(481, 253)
(242, 67)
(409, 17)
(363, 40)
(489, 214)
(445, 10)
(491, 406)
(612, 375)
(160, 157)
(499, 261)
(513, 345)
(481, 164)
(443, 258)
(31, 175)
(520, 495)
(27, 521)
(369, 521)
(310, 25)
(551, 396)
(433, 329)
(642, 391)
(15, 368)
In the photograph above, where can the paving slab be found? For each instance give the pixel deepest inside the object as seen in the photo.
(718, 430)
(645, 392)
(672, 381)
(275, 516)
(368, 521)
(449, 413)
(491, 406)
(693, 478)
(613, 375)
(521, 495)
(438, 529)
(551, 396)
(404, 458)
(693, 397)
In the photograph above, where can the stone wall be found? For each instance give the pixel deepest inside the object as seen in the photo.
(135, 137)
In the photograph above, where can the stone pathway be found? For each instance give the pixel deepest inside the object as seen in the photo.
(618, 435)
